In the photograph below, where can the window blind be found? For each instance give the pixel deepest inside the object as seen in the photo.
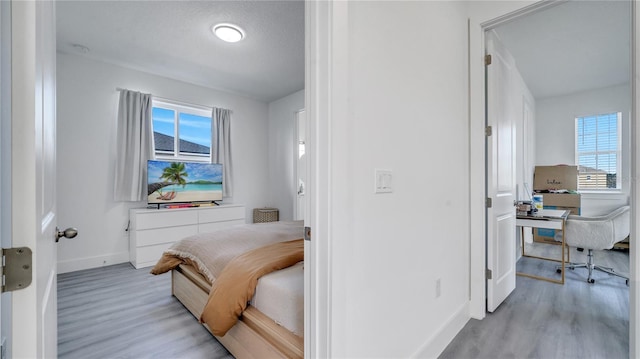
(598, 151)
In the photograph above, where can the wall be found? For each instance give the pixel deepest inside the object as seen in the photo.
(282, 142)
(405, 110)
(555, 136)
(87, 103)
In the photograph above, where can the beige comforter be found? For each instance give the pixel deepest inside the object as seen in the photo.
(210, 253)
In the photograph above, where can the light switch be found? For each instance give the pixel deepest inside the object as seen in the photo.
(383, 181)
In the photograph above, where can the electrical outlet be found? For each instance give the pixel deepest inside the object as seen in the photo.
(438, 287)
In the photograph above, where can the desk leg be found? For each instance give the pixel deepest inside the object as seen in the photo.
(563, 249)
(522, 241)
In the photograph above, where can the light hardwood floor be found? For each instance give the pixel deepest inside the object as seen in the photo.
(546, 320)
(120, 312)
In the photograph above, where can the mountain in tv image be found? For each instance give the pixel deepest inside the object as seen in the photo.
(183, 182)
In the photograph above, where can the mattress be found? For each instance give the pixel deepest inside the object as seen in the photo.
(280, 296)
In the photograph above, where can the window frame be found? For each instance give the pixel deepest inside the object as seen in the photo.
(178, 108)
(618, 152)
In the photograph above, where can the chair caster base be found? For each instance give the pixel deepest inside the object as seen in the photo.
(591, 280)
(558, 270)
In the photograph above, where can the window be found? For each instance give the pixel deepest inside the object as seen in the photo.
(598, 151)
(190, 125)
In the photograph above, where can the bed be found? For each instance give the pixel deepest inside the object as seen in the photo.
(266, 321)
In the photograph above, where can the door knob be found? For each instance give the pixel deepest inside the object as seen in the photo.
(67, 233)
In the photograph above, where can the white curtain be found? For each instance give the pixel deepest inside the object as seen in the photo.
(135, 146)
(221, 141)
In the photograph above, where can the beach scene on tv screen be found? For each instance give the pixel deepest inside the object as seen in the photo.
(177, 182)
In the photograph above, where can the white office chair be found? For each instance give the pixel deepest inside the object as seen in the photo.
(597, 233)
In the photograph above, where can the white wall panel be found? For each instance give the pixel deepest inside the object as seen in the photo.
(406, 112)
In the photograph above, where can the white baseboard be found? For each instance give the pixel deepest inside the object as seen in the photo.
(435, 345)
(92, 262)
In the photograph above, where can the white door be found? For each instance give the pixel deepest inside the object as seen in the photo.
(301, 165)
(5, 164)
(33, 175)
(501, 175)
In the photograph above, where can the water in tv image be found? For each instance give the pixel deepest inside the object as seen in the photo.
(183, 182)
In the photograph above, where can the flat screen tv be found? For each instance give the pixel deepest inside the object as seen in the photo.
(183, 182)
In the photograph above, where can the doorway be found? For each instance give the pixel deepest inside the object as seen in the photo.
(509, 16)
(569, 61)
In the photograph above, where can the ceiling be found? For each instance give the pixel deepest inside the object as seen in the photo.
(568, 48)
(571, 47)
(174, 39)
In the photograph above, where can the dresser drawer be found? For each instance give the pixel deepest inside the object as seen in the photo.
(164, 235)
(149, 255)
(218, 214)
(210, 227)
(162, 219)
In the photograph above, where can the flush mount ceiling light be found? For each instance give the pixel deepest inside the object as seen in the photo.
(228, 32)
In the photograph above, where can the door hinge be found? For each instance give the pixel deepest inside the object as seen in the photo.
(487, 59)
(489, 202)
(488, 131)
(307, 234)
(489, 274)
(16, 268)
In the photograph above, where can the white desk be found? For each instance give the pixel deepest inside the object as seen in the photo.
(545, 218)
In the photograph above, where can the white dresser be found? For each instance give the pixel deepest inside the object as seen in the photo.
(152, 231)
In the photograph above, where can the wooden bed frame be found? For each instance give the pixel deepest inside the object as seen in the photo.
(254, 336)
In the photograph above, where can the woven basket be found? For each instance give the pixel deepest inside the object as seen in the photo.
(262, 215)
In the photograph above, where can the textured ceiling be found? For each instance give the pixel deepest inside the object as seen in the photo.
(174, 39)
(572, 47)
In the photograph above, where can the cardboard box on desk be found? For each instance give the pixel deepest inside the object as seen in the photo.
(555, 177)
